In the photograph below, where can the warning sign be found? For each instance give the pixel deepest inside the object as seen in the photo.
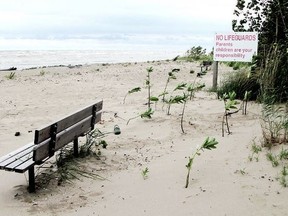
(235, 46)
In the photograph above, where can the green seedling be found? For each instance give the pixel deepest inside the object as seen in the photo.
(148, 85)
(42, 73)
(283, 177)
(273, 159)
(283, 155)
(241, 171)
(183, 111)
(229, 104)
(145, 173)
(247, 96)
(176, 99)
(208, 144)
(171, 75)
(137, 89)
(274, 124)
(255, 151)
(155, 100)
(192, 88)
(147, 114)
(11, 76)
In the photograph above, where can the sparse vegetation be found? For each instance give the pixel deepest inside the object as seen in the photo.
(145, 173)
(274, 124)
(42, 73)
(196, 53)
(137, 89)
(208, 144)
(11, 76)
(240, 82)
(229, 103)
(273, 159)
(177, 98)
(68, 167)
(147, 114)
(171, 75)
(148, 85)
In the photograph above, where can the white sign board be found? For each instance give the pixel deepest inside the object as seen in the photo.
(235, 46)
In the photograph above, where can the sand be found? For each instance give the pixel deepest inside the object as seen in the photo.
(223, 181)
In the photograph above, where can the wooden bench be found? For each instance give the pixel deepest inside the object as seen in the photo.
(51, 138)
(206, 64)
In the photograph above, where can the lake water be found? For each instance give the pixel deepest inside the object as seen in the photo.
(38, 58)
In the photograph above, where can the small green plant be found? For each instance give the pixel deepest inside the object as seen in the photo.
(148, 85)
(147, 114)
(176, 99)
(208, 144)
(92, 144)
(185, 97)
(42, 73)
(154, 99)
(145, 173)
(255, 151)
(11, 76)
(247, 96)
(241, 171)
(192, 88)
(171, 75)
(274, 124)
(283, 177)
(229, 103)
(240, 82)
(273, 159)
(283, 155)
(137, 89)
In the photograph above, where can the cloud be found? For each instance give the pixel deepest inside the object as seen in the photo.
(114, 21)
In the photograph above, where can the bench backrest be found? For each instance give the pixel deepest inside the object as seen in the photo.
(53, 137)
(207, 63)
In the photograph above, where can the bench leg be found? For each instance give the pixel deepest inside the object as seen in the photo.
(31, 175)
(75, 145)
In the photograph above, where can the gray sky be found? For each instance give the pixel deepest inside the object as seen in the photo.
(132, 21)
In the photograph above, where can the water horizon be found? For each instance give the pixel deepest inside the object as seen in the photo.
(24, 59)
(32, 52)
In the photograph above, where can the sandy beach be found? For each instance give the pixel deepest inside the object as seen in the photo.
(222, 182)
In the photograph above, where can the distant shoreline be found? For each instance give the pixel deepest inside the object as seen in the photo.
(23, 60)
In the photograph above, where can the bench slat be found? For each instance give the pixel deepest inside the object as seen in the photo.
(18, 151)
(44, 133)
(17, 158)
(41, 151)
(18, 162)
(24, 166)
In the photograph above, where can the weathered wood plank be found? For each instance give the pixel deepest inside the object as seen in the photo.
(17, 158)
(24, 166)
(18, 151)
(19, 161)
(44, 133)
(41, 151)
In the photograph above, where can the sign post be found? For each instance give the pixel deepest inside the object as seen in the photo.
(234, 46)
(215, 75)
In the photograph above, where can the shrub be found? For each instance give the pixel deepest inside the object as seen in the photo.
(240, 82)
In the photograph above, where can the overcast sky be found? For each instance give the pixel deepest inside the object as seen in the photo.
(129, 21)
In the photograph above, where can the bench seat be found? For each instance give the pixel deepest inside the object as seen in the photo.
(19, 160)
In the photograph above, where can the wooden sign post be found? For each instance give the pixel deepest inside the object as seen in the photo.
(215, 75)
